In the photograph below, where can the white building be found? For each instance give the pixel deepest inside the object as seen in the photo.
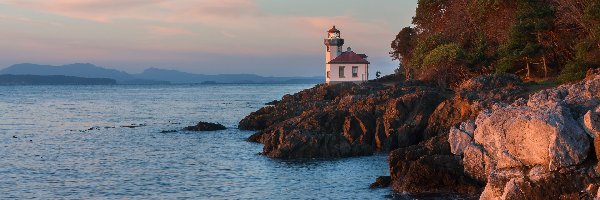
(343, 66)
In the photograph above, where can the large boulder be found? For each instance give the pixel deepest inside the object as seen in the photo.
(537, 148)
(529, 136)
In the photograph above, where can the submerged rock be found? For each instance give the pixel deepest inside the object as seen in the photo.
(381, 182)
(205, 126)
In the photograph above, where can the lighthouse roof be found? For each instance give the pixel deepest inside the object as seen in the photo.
(349, 57)
(333, 30)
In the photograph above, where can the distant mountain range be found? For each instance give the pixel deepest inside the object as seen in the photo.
(148, 76)
(9, 79)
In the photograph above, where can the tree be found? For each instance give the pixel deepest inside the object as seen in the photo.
(526, 43)
(377, 74)
(402, 47)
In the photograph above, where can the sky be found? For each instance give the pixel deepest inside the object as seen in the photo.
(265, 37)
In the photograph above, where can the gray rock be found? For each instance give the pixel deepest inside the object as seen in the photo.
(527, 136)
(460, 137)
(591, 122)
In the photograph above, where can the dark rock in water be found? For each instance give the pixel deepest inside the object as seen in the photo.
(205, 126)
(256, 137)
(133, 126)
(169, 131)
(272, 103)
(430, 167)
(381, 182)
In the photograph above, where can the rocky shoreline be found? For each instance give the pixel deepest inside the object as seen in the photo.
(491, 137)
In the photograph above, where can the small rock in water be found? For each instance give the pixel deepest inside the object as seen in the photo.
(133, 126)
(272, 103)
(169, 131)
(205, 126)
(381, 182)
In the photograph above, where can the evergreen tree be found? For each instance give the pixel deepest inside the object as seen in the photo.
(526, 45)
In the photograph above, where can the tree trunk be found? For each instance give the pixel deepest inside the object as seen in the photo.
(528, 68)
(545, 66)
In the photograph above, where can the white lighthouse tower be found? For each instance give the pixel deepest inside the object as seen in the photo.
(334, 44)
(343, 66)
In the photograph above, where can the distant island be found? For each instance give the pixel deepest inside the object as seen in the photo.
(8, 79)
(150, 76)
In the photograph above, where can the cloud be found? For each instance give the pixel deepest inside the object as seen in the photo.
(106, 11)
(161, 30)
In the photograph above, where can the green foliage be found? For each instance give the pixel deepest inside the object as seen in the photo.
(505, 64)
(443, 53)
(525, 38)
(423, 48)
(587, 50)
(481, 7)
(476, 55)
(399, 70)
(573, 71)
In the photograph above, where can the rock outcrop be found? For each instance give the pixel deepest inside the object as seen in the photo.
(473, 96)
(537, 148)
(360, 120)
(430, 167)
(205, 126)
(293, 105)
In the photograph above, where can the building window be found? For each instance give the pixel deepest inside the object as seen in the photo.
(354, 71)
(328, 48)
(328, 74)
(342, 71)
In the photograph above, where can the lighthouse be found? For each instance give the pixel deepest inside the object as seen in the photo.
(343, 66)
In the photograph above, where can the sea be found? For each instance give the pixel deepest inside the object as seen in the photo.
(125, 142)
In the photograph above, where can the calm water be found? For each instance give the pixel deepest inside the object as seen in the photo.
(68, 142)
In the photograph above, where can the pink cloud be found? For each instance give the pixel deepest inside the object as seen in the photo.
(161, 30)
(156, 10)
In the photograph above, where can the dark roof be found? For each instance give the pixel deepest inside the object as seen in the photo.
(333, 30)
(349, 57)
(363, 55)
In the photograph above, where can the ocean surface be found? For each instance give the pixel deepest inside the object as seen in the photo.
(105, 142)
